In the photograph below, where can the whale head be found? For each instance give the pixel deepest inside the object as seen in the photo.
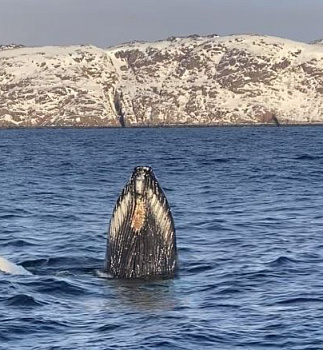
(141, 239)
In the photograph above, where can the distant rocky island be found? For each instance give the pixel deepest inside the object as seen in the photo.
(195, 80)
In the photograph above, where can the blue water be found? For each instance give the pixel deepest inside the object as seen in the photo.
(248, 209)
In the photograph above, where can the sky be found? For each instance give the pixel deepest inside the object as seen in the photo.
(110, 22)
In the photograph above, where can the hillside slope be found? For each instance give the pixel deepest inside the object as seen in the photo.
(240, 79)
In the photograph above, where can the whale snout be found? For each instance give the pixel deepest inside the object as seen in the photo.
(142, 171)
(140, 176)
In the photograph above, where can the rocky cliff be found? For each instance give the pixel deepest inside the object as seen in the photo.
(210, 80)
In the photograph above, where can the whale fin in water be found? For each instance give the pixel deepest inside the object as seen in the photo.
(141, 239)
(11, 268)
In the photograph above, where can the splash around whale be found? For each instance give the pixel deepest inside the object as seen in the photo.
(141, 239)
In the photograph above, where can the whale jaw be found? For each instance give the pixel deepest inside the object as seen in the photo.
(141, 237)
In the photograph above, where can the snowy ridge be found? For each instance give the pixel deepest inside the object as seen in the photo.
(10, 46)
(210, 80)
(318, 41)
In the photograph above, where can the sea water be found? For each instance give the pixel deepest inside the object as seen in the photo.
(248, 208)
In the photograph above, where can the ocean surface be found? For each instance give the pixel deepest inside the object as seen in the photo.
(248, 208)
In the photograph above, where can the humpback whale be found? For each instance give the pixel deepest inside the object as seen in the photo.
(141, 238)
(9, 267)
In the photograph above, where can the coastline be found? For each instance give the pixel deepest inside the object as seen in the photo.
(170, 126)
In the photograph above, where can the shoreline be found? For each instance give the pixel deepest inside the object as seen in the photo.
(170, 126)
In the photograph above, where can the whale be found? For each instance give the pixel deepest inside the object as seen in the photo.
(11, 268)
(141, 242)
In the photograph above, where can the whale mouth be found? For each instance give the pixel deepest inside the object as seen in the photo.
(141, 238)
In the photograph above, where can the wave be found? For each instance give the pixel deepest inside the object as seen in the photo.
(300, 300)
(282, 261)
(62, 265)
(307, 157)
(23, 300)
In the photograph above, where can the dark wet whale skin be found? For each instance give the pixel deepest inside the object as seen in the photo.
(141, 239)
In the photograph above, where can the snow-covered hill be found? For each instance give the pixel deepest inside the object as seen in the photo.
(318, 41)
(10, 46)
(239, 79)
